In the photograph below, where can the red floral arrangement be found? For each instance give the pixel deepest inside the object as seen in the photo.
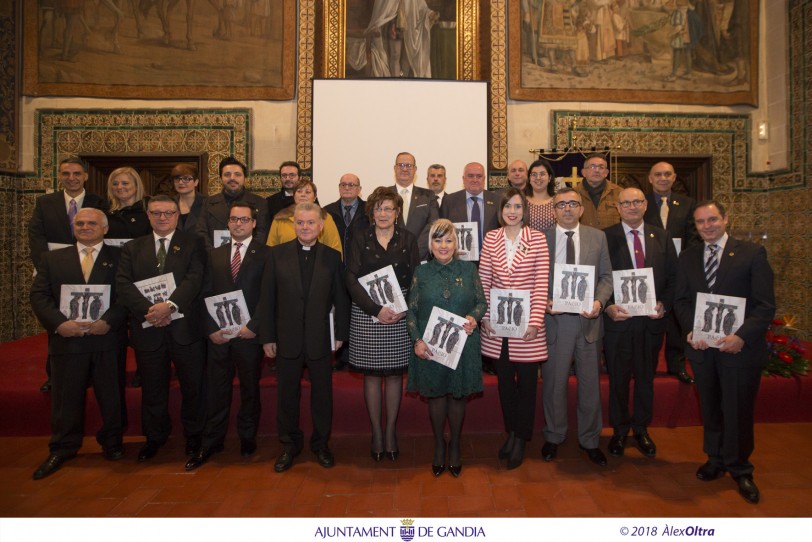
(787, 355)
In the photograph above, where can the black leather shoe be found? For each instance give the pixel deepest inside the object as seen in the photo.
(708, 472)
(148, 451)
(516, 454)
(684, 377)
(376, 456)
(202, 457)
(393, 455)
(748, 489)
(437, 470)
(51, 465)
(595, 455)
(504, 451)
(455, 471)
(616, 445)
(549, 451)
(45, 388)
(325, 458)
(192, 446)
(247, 447)
(285, 460)
(645, 444)
(114, 453)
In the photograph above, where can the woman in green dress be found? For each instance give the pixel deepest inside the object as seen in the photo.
(453, 285)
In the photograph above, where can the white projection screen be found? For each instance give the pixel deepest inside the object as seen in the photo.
(359, 126)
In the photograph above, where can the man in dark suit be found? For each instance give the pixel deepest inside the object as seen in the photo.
(517, 174)
(303, 281)
(167, 338)
(419, 204)
(85, 350)
(472, 201)
(575, 336)
(214, 216)
(51, 224)
(289, 174)
(673, 212)
(236, 266)
(348, 211)
(435, 181)
(632, 343)
(727, 373)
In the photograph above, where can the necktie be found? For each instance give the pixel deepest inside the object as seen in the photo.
(664, 210)
(236, 261)
(476, 217)
(570, 248)
(87, 262)
(72, 210)
(711, 266)
(161, 255)
(639, 256)
(406, 201)
(347, 215)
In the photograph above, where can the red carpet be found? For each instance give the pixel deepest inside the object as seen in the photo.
(24, 411)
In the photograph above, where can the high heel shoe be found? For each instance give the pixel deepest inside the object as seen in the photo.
(504, 451)
(393, 455)
(377, 456)
(455, 471)
(437, 470)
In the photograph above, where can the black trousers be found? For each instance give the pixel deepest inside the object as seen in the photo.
(190, 362)
(221, 361)
(631, 353)
(517, 384)
(70, 374)
(727, 400)
(674, 344)
(289, 372)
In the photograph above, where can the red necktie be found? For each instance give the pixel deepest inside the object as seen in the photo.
(236, 261)
(639, 257)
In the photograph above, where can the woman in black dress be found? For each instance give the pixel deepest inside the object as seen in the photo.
(127, 215)
(381, 349)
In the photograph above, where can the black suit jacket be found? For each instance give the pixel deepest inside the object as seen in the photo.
(277, 202)
(661, 256)
(214, 216)
(249, 280)
(186, 260)
(455, 208)
(680, 217)
(359, 222)
(190, 224)
(743, 272)
(64, 266)
(299, 326)
(49, 222)
(423, 211)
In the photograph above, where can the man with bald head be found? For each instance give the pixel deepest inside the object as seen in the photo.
(84, 343)
(420, 207)
(517, 174)
(473, 203)
(632, 343)
(673, 212)
(348, 211)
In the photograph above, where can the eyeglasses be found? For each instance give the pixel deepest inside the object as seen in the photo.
(539, 175)
(289, 175)
(571, 204)
(241, 219)
(630, 203)
(595, 166)
(159, 214)
(348, 185)
(384, 210)
(404, 166)
(183, 178)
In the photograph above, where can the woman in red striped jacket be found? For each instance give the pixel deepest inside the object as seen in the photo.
(515, 260)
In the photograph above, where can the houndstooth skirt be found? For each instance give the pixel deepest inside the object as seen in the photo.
(377, 349)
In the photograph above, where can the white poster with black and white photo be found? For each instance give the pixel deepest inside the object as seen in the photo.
(717, 316)
(157, 290)
(634, 291)
(220, 238)
(573, 288)
(84, 302)
(116, 242)
(230, 312)
(382, 286)
(510, 310)
(467, 241)
(445, 337)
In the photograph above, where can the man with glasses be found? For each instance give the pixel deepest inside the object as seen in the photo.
(420, 208)
(238, 265)
(289, 175)
(575, 336)
(214, 216)
(166, 330)
(348, 211)
(598, 194)
(632, 343)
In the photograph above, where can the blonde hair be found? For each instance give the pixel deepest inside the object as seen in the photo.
(442, 227)
(115, 203)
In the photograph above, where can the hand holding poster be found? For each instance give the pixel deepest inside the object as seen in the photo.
(229, 311)
(382, 286)
(510, 310)
(717, 316)
(634, 291)
(157, 290)
(467, 241)
(84, 302)
(445, 337)
(573, 288)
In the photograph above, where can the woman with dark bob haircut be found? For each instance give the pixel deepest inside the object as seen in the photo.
(540, 190)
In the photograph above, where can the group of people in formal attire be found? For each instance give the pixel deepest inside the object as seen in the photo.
(301, 270)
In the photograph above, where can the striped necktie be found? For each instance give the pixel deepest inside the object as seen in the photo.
(236, 261)
(711, 266)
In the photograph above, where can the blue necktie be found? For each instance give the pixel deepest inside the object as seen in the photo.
(476, 217)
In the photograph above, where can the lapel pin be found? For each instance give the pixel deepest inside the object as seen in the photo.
(253, 251)
(730, 254)
(675, 202)
(132, 220)
(175, 248)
